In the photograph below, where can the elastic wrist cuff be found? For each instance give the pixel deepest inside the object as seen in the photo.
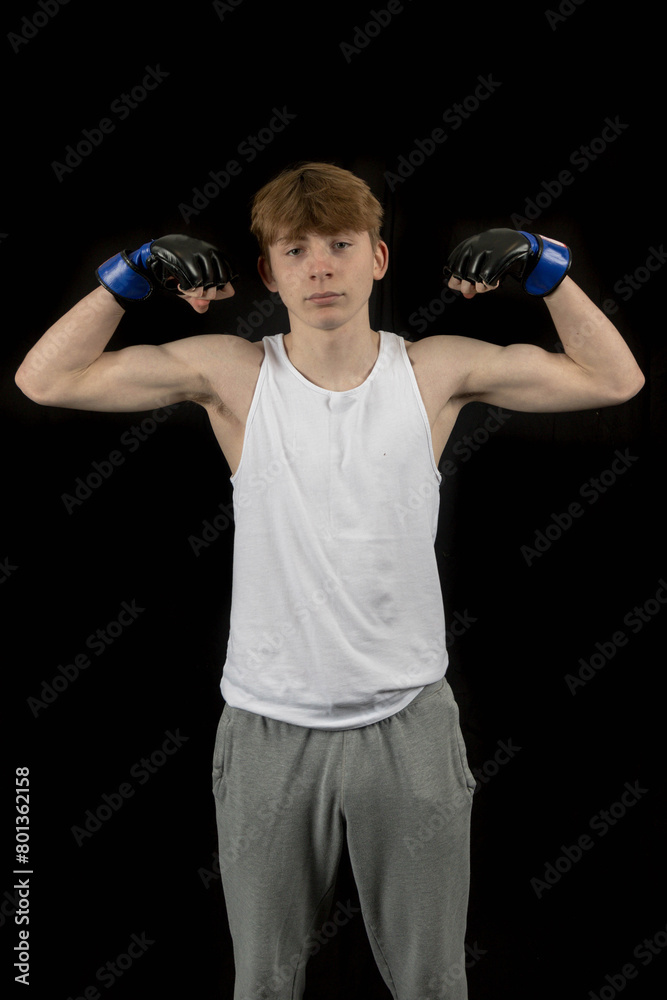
(122, 276)
(552, 266)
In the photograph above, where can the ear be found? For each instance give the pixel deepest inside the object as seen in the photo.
(381, 255)
(266, 274)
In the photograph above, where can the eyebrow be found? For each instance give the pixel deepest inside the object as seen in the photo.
(304, 236)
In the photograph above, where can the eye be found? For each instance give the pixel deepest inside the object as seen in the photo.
(341, 244)
(293, 252)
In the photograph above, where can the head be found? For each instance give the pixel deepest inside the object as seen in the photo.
(318, 228)
(314, 198)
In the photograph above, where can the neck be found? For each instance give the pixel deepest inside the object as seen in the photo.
(333, 359)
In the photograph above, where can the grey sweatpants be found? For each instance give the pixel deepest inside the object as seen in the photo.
(399, 791)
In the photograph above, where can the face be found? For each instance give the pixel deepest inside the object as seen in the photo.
(325, 281)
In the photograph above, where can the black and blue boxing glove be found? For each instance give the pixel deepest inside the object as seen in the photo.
(539, 263)
(165, 263)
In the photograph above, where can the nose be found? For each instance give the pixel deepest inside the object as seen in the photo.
(320, 264)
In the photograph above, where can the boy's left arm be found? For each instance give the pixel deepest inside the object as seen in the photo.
(592, 342)
(597, 367)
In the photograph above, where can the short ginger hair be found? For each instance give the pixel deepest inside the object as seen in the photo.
(314, 198)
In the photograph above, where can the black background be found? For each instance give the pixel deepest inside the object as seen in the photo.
(150, 867)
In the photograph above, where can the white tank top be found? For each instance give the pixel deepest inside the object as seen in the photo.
(337, 617)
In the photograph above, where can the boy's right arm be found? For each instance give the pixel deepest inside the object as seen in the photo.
(69, 366)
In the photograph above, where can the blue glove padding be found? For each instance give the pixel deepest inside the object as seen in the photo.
(125, 275)
(552, 262)
(538, 262)
(164, 263)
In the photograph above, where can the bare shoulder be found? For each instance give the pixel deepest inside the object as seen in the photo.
(220, 348)
(229, 365)
(440, 348)
(441, 364)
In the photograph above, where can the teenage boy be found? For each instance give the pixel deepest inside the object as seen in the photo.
(338, 725)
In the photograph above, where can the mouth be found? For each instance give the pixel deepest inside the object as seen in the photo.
(324, 298)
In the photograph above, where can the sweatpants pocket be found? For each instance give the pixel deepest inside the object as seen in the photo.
(221, 737)
(463, 756)
(465, 774)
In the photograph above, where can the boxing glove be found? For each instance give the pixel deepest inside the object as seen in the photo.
(164, 263)
(539, 263)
